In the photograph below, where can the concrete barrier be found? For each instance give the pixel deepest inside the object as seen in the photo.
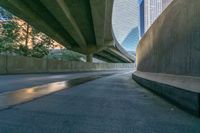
(172, 46)
(21, 65)
(182, 91)
(2, 64)
(58, 66)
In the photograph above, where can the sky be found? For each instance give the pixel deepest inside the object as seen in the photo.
(125, 23)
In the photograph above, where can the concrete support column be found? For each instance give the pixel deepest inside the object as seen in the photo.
(89, 58)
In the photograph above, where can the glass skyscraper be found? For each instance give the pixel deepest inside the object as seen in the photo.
(152, 9)
(149, 11)
(141, 17)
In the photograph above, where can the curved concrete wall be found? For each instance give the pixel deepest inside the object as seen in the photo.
(172, 44)
(168, 56)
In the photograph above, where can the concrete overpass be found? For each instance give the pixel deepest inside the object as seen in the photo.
(84, 26)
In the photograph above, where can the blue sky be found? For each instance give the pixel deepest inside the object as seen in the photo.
(131, 40)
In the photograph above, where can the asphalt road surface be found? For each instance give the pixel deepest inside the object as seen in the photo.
(112, 104)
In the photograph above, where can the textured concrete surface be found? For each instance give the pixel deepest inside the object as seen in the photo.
(171, 45)
(188, 83)
(2, 64)
(113, 104)
(180, 90)
(59, 66)
(20, 64)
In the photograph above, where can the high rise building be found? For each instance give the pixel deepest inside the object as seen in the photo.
(141, 18)
(152, 9)
(149, 12)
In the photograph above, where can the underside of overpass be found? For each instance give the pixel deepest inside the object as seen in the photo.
(84, 26)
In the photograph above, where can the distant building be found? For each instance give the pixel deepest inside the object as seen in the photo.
(141, 18)
(152, 9)
(149, 10)
(125, 23)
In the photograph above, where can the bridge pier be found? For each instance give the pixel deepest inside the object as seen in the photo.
(89, 58)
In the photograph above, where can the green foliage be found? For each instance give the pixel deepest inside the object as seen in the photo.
(9, 35)
(71, 56)
(40, 51)
(16, 36)
(23, 50)
(67, 55)
(12, 35)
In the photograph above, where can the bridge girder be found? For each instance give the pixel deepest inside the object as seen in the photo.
(83, 26)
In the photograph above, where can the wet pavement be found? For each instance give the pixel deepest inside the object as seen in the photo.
(14, 82)
(11, 98)
(112, 104)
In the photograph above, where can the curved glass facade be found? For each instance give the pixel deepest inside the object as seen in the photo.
(125, 23)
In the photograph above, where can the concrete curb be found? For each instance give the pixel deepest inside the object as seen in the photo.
(187, 99)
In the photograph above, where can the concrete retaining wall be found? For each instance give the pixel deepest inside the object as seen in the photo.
(19, 65)
(58, 66)
(172, 44)
(2, 64)
(182, 91)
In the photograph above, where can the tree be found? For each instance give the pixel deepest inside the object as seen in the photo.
(17, 36)
(8, 36)
(41, 44)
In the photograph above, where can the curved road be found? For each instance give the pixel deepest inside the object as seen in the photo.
(113, 104)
